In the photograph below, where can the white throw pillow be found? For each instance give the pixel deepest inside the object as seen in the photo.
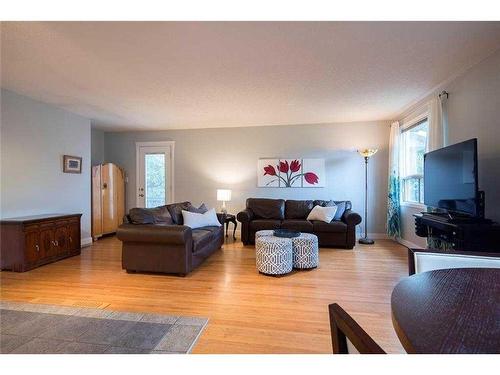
(195, 220)
(325, 214)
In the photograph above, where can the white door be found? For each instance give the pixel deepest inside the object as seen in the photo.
(154, 173)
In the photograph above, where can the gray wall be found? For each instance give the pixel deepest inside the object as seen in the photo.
(207, 159)
(473, 112)
(97, 146)
(34, 138)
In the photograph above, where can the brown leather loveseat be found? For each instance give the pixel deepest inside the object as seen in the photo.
(262, 213)
(154, 240)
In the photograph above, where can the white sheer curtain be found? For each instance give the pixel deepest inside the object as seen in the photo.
(437, 137)
(393, 207)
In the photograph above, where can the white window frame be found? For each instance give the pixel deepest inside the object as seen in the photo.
(409, 122)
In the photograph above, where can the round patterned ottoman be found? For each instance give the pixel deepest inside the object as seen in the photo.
(273, 255)
(305, 251)
(262, 233)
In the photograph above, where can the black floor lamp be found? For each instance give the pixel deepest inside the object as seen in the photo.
(366, 153)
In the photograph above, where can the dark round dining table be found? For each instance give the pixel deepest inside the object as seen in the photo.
(448, 311)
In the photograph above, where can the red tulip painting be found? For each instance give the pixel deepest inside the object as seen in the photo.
(283, 167)
(311, 178)
(269, 170)
(291, 173)
(295, 166)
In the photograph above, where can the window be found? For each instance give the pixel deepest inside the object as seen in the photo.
(413, 147)
(155, 180)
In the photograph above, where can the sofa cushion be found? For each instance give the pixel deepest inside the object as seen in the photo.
(262, 224)
(214, 229)
(340, 210)
(175, 210)
(141, 216)
(300, 225)
(333, 227)
(157, 215)
(263, 208)
(195, 220)
(342, 206)
(325, 214)
(297, 209)
(200, 210)
(161, 215)
(201, 238)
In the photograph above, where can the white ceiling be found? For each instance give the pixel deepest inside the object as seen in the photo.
(162, 75)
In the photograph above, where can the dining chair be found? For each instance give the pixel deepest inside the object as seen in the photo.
(347, 336)
(422, 260)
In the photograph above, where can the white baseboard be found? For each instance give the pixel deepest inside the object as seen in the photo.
(378, 236)
(374, 236)
(84, 242)
(407, 243)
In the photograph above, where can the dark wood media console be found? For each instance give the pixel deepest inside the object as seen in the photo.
(461, 234)
(31, 241)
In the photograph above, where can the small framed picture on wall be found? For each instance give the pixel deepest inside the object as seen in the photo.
(72, 164)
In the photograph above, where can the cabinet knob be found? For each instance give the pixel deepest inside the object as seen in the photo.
(37, 248)
(70, 239)
(57, 243)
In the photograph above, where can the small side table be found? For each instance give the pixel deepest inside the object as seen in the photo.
(230, 218)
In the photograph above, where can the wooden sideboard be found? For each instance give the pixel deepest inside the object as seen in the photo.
(31, 241)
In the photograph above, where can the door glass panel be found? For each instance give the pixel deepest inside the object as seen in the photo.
(155, 180)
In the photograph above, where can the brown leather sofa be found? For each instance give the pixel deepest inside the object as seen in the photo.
(262, 213)
(154, 240)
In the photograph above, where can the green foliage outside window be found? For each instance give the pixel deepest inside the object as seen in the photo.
(155, 180)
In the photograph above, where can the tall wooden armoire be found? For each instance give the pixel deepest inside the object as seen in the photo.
(108, 199)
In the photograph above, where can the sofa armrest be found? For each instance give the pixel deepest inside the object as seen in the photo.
(168, 234)
(351, 218)
(245, 216)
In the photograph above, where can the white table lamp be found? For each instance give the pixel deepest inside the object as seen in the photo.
(223, 195)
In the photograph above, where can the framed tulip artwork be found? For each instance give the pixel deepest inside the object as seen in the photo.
(267, 173)
(285, 173)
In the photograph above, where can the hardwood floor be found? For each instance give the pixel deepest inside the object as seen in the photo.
(249, 312)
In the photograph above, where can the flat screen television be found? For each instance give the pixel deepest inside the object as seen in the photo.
(450, 178)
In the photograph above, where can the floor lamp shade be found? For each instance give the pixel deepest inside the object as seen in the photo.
(368, 152)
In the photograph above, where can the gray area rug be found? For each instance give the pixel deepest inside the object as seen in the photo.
(27, 328)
